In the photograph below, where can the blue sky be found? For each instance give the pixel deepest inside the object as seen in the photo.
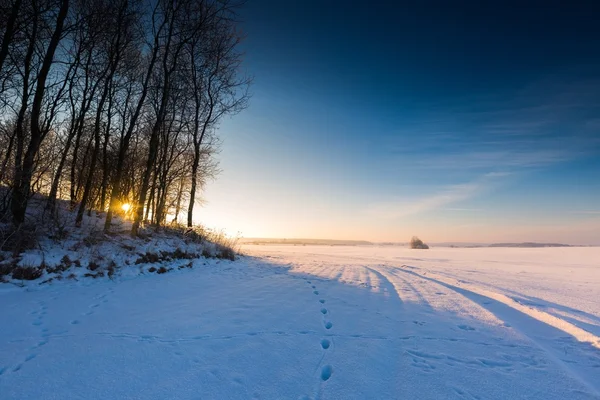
(456, 122)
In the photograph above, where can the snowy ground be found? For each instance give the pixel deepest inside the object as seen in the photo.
(315, 322)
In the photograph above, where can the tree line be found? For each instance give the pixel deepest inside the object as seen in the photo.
(106, 102)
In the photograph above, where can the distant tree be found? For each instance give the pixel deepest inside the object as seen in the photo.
(416, 243)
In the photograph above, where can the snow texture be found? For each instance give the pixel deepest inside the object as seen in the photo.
(315, 322)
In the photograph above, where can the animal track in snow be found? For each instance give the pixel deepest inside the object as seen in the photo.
(328, 325)
(322, 301)
(316, 292)
(325, 344)
(323, 311)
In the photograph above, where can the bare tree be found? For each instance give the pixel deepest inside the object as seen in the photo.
(217, 89)
(24, 170)
(105, 101)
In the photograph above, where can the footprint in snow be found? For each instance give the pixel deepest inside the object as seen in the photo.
(328, 325)
(466, 327)
(326, 372)
(322, 301)
(323, 311)
(238, 380)
(315, 291)
(325, 344)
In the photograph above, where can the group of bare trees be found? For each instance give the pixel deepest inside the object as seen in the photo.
(105, 102)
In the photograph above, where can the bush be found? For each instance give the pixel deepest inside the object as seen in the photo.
(416, 243)
(93, 265)
(27, 273)
(225, 253)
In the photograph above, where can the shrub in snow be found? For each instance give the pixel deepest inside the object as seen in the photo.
(27, 273)
(416, 243)
(93, 265)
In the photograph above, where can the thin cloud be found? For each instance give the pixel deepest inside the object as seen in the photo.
(495, 159)
(525, 130)
(448, 195)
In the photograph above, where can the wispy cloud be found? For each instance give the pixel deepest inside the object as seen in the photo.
(527, 129)
(495, 159)
(443, 197)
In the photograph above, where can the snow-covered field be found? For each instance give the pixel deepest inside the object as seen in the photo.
(315, 322)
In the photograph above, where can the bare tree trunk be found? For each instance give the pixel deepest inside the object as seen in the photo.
(20, 195)
(161, 113)
(111, 69)
(105, 171)
(9, 31)
(150, 206)
(11, 143)
(178, 201)
(152, 151)
(124, 145)
(76, 129)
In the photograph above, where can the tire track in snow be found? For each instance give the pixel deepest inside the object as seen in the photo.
(520, 316)
(541, 316)
(440, 298)
(389, 288)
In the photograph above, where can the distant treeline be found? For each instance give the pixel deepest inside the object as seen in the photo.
(529, 244)
(326, 242)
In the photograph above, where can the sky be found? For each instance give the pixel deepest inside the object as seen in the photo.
(454, 121)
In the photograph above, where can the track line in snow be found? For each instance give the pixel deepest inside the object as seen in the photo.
(541, 316)
(516, 315)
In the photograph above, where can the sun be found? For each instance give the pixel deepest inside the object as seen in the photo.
(126, 207)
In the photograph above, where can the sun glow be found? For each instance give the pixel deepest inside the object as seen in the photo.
(126, 207)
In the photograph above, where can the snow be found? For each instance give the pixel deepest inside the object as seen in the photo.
(315, 322)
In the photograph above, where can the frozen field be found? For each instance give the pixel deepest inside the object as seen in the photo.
(316, 322)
